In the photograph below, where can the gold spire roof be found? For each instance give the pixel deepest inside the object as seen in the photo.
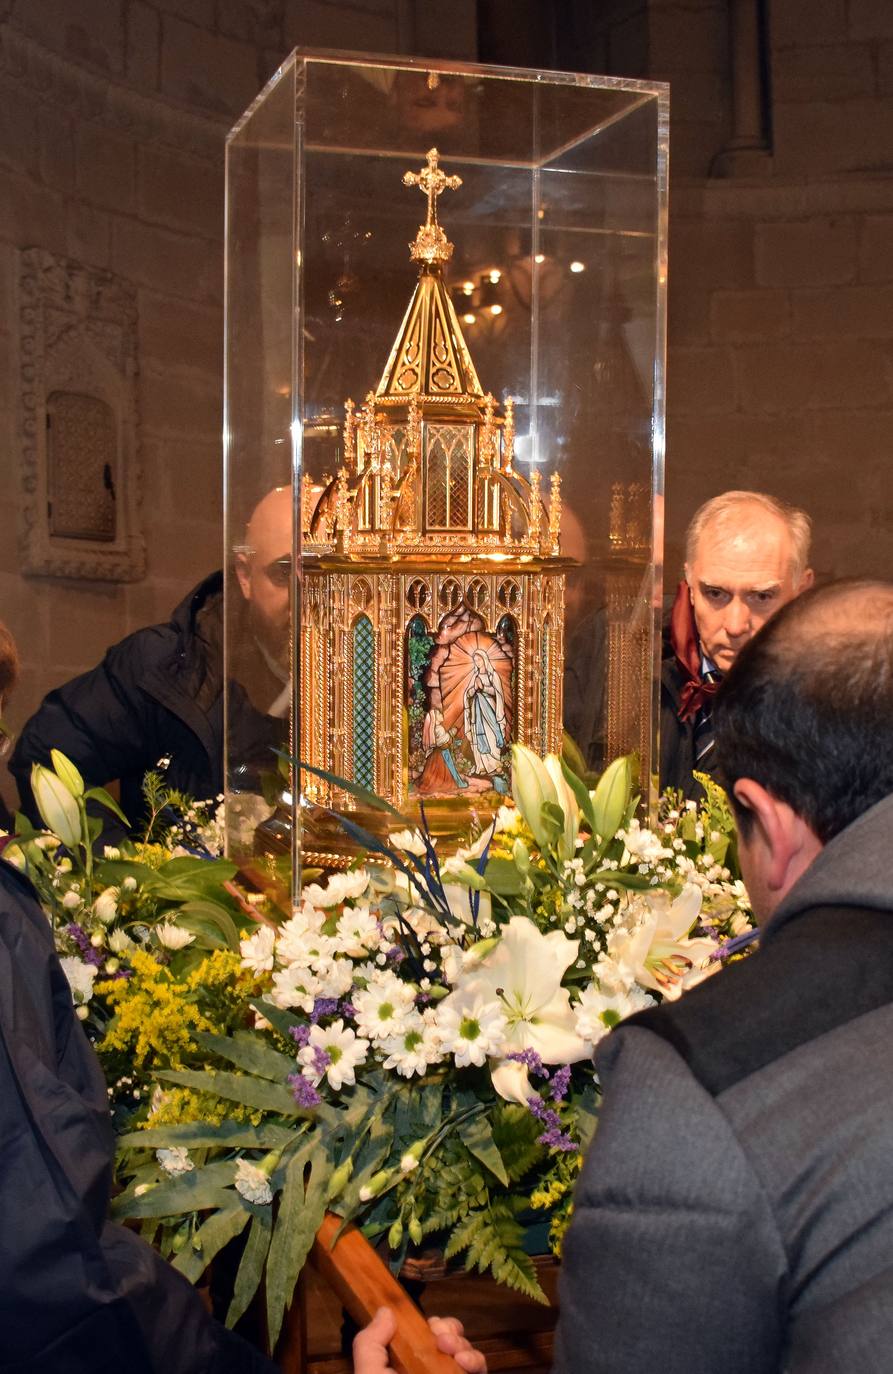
(430, 358)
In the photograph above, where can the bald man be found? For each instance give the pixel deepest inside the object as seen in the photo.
(159, 692)
(746, 556)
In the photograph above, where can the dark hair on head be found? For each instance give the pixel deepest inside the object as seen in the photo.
(9, 662)
(807, 708)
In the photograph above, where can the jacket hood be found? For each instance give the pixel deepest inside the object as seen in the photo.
(854, 869)
(185, 615)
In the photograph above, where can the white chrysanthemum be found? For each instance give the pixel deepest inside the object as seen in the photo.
(291, 937)
(335, 976)
(471, 1028)
(306, 946)
(129, 884)
(410, 841)
(382, 1008)
(80, 977)
(71, 899)
(257, 951)
(358, 932)
(414, 1049)
(175, 1161)
(600, 1009)
(106, 905)
(642, 844)
(120, 942)
(173, 937)
(341, 887)
(111, 852)
(295, 988)
(253, 1183)
(342, 1052)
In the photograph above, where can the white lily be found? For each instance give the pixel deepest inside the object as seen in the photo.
(567, 843)
(656, 950)
(531, 786)
(523, 973)
(58, 808)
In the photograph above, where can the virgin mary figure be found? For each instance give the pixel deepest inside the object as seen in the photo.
(485, 723)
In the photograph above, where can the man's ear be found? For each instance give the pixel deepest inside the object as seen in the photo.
(785, 844)
(243, 573)
(806, 581)
(687, 574)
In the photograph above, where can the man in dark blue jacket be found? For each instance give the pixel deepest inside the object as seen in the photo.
(159, 692)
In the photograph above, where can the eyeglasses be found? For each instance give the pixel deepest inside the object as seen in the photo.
(279, 571)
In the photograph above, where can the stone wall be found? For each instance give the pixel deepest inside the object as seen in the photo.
(780, 370)
(113, 115)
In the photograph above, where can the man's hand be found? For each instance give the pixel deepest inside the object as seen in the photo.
(370, 1353)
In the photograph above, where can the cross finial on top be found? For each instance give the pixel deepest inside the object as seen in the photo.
(432, 182)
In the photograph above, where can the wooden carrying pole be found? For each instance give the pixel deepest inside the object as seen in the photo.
(363, 1283)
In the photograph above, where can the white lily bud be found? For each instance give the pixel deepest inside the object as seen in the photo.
(69, 775)
(58, 808)
(611, 797)
(531, 786)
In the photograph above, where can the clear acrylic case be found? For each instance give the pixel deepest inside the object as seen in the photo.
(444, 431)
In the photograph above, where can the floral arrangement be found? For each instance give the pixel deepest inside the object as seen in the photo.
(410, 1048)
(147, 931)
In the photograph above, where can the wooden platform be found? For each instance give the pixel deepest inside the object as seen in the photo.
(514, 1333)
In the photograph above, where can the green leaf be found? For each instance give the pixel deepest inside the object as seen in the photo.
(503, 878)
(210, 920)
(106, 799)
(477, 1137)
(248, 1051)
(206, 1134)
(581, 793)
(301, 1208)
(251, 1268)
(251, 1092)
(196, 1191)
(362, 794)
(210, 1238)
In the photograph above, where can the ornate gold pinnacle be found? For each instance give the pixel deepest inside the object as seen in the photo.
(431, 245)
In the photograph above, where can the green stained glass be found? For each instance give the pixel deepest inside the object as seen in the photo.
(544, 687)
(364, 703)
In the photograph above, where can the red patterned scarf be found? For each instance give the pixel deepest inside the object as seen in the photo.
(687, 648)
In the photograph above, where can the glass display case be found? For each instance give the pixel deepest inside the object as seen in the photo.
(444, 432)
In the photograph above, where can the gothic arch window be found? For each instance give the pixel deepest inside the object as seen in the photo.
(362, 638)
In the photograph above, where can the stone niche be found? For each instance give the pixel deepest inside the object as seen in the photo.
(80, 468)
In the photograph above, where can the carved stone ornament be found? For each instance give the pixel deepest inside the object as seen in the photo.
(81, 476)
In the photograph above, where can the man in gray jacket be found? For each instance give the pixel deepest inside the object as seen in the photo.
(735, 1213)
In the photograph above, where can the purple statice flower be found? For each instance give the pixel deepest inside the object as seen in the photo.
(303, 1091)
(560, 1083)
(300, 1035)
(348, 1008)
(321, 1060)
(736, 944)
(553, 1137)
(531, 1060)
(395, 955)
(82, 940)
(323, 1006)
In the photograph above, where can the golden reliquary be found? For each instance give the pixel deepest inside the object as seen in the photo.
(433, 582)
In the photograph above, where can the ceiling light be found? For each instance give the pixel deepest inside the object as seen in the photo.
(577, 266)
